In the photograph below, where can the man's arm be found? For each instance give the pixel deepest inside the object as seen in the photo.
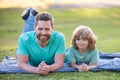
(58, 62)
(23, 64)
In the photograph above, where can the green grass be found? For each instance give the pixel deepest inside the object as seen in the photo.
(104, 75)
(105, 22)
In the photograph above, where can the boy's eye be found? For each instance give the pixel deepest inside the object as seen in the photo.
(85, 39)
(82, 39)
(77, 39)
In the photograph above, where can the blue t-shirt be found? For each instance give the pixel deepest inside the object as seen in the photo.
(88, 57)
(28, 46)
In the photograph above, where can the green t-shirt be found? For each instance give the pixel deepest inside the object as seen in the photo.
(28, 46)
(89, 57)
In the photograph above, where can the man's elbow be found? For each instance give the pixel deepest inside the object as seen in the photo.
(61, 64)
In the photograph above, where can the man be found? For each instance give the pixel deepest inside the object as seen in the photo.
(41, 51)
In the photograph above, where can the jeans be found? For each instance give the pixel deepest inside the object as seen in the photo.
(29, 24)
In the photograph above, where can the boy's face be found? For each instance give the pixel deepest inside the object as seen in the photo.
(82, 44)
(43, 30)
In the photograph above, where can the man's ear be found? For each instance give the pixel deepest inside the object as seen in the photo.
(52, 27)
(34, 27)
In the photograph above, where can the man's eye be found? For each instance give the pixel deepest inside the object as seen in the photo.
(47, 29)
(39, 29)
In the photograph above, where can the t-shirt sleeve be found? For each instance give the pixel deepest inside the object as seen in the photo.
(95, 57)
(61, 45)
(70, 57)
(21, 47)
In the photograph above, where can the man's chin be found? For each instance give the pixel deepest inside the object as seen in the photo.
(44, 40)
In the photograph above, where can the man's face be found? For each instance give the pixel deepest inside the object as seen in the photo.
(43, 30)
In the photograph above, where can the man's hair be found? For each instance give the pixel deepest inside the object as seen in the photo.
(85, 33)
(44, 16)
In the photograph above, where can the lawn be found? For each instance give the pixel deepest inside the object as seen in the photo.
(105, 22)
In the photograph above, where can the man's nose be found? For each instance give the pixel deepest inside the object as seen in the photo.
(43, 32)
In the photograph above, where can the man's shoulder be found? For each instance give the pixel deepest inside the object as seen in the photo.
(57, 34)
(27, 35)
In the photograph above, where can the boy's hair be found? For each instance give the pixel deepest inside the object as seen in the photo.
(44, 16)
(85, 33)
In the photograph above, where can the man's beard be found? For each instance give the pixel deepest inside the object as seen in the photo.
(43, 38)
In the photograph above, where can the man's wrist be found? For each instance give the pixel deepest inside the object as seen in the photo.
(49, 68)
(36, 70)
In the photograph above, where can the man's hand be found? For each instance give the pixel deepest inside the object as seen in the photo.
(43, 68)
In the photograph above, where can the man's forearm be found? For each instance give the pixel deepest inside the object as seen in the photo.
(28, 68)
(59, 62)
(55, 66)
